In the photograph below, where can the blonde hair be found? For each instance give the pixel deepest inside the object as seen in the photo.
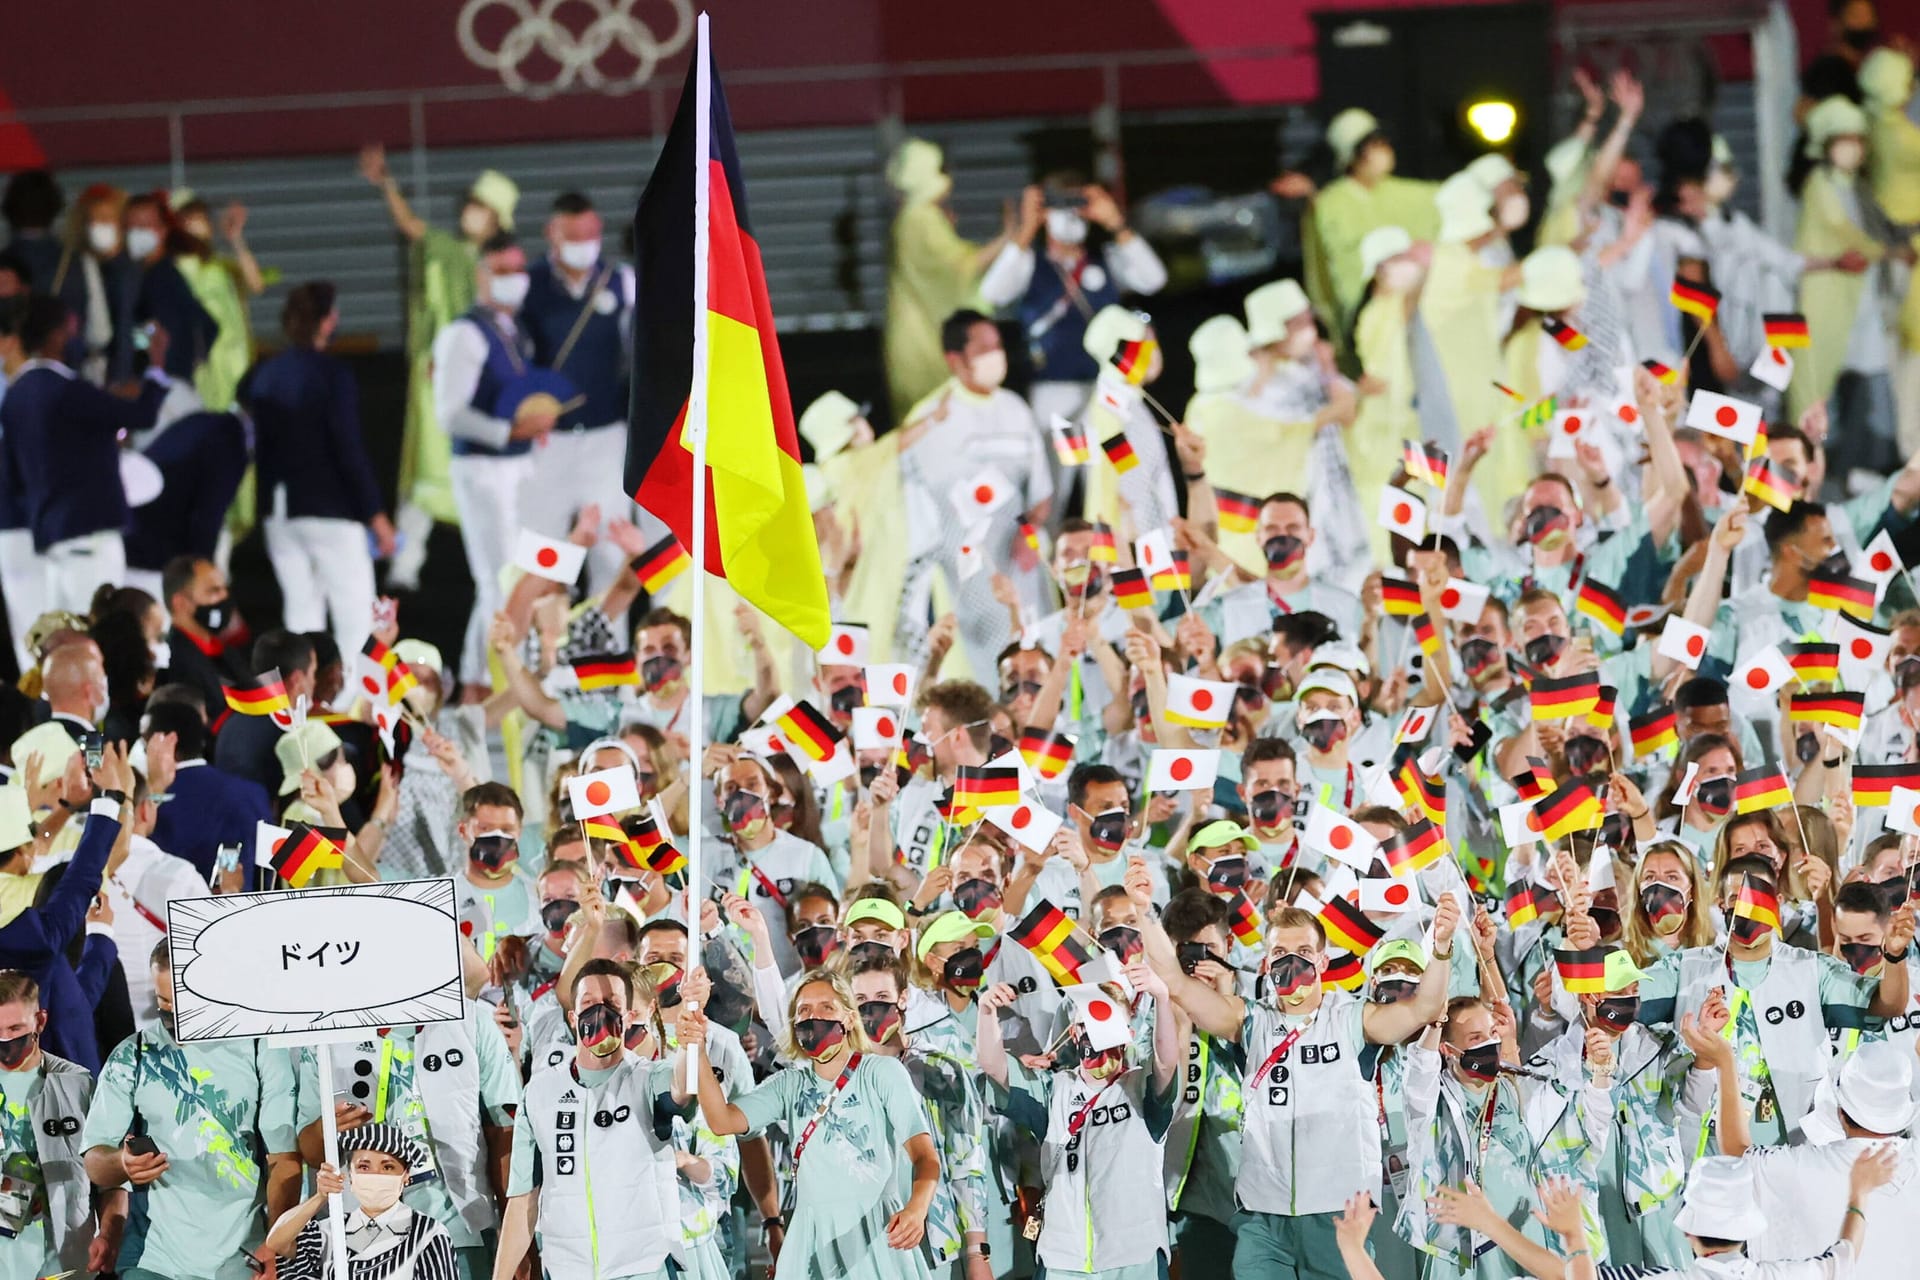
(1776, 832)
(1696, 930)
(843, 992)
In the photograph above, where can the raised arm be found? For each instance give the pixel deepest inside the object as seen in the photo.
(722, 1117)
(989, 1049)
(373, 167)
(1394, 1023)
(1220, 1016)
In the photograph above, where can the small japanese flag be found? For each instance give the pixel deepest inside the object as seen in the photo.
(875, 728)
(544, 558)
(607, 791)
(1029, 822)
(1685, 643)
(1625, 403)
(267, 840)
(889, 685)
(1879, 561)
(1765, 672)
(1903, 810)
(766, 742)
(1773, 366)
(1103, 1018)
(384, 718)
(1386, 897)
(1463, 601)
(1414, 726)
(1736, 420)
(1517, 824)
(1182, 770)
(1340, 838)
(838, 765)
(972, 555)
(1863, 650)
(1402, 513)
(1571, 424)
(1199, 704)
(1153, 552)
(981, 494)
(846, 646)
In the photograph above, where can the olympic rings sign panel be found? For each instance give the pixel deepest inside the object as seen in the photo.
(613, 34)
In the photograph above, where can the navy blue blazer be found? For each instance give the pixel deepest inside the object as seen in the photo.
(206, 809)
(60, 450)
(306, 424)
(168, 300)
(36, 941)
(202, 458)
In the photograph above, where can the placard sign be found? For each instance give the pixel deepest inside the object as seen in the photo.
(314, 961)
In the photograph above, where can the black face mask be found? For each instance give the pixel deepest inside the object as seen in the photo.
(817, 1037)
(1138, 703)
(1863, 958)
(1096, 582)
(213, 617)
(1478, 656)
(1585, 753)
(1860, 38)
(977, 897)
(1619, 199)
(869, 774)
(1394, 990)
(15, 1052)
(1276, 683)
(1123, 940)
(881, 1018)
(1481, 1062)
(1008, 692)
(1616, 1013)
(1544, 523)
(1906, 673)
(870, 951)
(1806, 747)
(1109, 829)
(1282, 550)
(493, 852)
(1291, 975)
(844, 699)
(1190, 954)
(1227, 875)
(741, 808)
(1268, 808)
(1715, 795)
(1665, 906)
(997, 746)
(814, 944)
(666, 982)
(1835, 565)
(1251, 697)
(554, 915)
(964, 970)
(601, 1028)
(1747, 931)
(636, 1035)
(659, 671)
(1321, 735)
(1543, 650)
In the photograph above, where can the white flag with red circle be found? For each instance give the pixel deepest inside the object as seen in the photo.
(889, 685)
(546, 558)
(603, 791)
(1684, 642)
(1199, 704)
(1340, 838)
(267, 840)
(1903, 810)
(1463, 601)
(1171, 770)
(846, 646)
(1773, 366)
(1102, 1017)
(1387, 897)
(1863, 650)
(1029, 822)
(875, 728)
(982, 493)
(1402, 513)
(1767, 671)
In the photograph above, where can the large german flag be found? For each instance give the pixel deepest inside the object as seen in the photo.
(1873, 784)
(1347, 927)
(1582, 973)
(759, 532)
(303, 854)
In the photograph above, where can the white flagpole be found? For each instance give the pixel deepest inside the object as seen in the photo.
(696, 436)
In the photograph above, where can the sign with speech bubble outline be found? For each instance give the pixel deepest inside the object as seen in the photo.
(311, 962)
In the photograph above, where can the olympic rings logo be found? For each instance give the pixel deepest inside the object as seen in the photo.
(577, 56)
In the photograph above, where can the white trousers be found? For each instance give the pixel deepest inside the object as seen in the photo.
(23, 581)
(486, 493)
(76, 568)
(570, 470)
(325, 570)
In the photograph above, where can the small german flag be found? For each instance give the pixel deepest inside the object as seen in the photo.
(1561, 813)
(1841, 591)
(1582, 973)
(1046, 753)
(606, 672)
(660, 564)
(1601, 716)
(1654, 731)
(1841, 710)
(1696, 299)
(1558, 697)
(383, 657)
(1415, 849)
(1243, 920)
(1786, 329)
(1602, 604)
(1814, 661)
(980, 787)
(266, 695)
(1348, 927)
(654, 848)
(1400, 597)
(1100, 548)
(1761, 788)
(1048, 934)
(1134, 360)
(1069, 442)
(1535, 781)
(1508, 392)
(1563, 333)
(955, 813)
(1541, 412)
(1130, 589)
(604, 827)
(815, 734)
(1765, 483)
(1348, 973)
(1120, 453)
(1425, 461)
(1030, 536)
(1418, 791)
(305, 853)
(1426, 634)
(1522, 906)
(400, 682)
(1664, 374)
(1177, 576)
(1757, 902)
(1874, 784)
(1239, 512)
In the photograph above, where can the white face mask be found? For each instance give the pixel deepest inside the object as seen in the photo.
(1511, 211)
(162, 654)
(989, 368)
(1066, 227)
(103, 238)
(579, 255)
(377, 1192)
(1400, 275)
(142, 241)
(1719, 185)
(1846, 154)
(508, 291)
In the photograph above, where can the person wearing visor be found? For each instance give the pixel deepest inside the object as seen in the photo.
(1237, 603)
(965, 955)
(1220, 857)
(383, 1233)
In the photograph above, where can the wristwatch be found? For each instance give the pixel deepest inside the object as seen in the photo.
(773, 1220)
(1897, 959)
(115, 795)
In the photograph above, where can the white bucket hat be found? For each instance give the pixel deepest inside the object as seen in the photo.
(1550, 280)
(916, 171)
(1219, 350)
(1380, 244)
(1269, 308)
(1875, 1089)
(1835, 117)
(1719, 1202)
(1112, 325)
(1466, 209)
(1490, 170)
(1346, 131)
(828, 424)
